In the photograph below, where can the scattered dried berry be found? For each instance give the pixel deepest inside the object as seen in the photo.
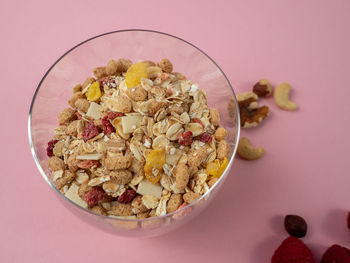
(127, 196)
(90, 131)
(336, 254)
(185, 138)
(349, 220)
(295, 225)
(50, 146)
(205, 137)
(292, 250)
(95, 195)
(196, 120)
(87, 164)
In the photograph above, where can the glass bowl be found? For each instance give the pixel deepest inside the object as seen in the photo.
(75, 65)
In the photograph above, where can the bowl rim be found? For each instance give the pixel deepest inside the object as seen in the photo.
(46, 178)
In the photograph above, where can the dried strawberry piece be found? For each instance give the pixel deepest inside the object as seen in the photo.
(107, 126)
(86, 164)
(79, 117)
(50, 146)
(185, 138)
(90, 131)
(205, 137)
(196, 120)
(112, 115)
(95, 195)
(127, 196)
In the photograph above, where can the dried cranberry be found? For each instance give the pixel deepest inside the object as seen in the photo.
(90, 131)
(86, 164)
(127, 196)
(185, 138)
(205, 137)
(349, 220)
(50, 146)
(196, 120)
(95, 195)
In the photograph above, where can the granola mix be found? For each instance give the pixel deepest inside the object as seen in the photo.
(137, 141)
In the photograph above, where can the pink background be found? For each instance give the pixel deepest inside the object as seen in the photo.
(306, 167)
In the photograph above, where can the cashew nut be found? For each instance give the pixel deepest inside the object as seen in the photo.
(281, 96)
(246, 151)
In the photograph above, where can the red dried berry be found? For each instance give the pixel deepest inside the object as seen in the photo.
(86, 164)
(336, 254)
(95, 195)
(127, 196)
(292, 250)
(112, 115)
(107, 126)
(50, 146)
(205, 137)
(79, 117)
(185, 138)
(349, 220)
(196, 120)
(90, 131)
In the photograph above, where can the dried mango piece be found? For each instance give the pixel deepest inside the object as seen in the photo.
(213, 167)
(94, 92)
(135, 73)
(216, 168)
(154, 165)
(222, 167)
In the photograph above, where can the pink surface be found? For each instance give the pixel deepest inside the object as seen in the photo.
(306, 167)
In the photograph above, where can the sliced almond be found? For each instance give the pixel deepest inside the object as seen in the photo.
(146, 187)
(72, 194)
(94, 156)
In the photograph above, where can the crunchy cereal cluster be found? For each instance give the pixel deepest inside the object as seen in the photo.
(137, 141)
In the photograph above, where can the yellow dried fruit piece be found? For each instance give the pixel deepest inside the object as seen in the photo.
(154, 165)
(94, 92)
(135, 73)
(216, 168)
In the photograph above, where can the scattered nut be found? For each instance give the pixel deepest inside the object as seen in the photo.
(262, 88)
(295, 225)
(250, 113)
(281, 96)
(246, 151)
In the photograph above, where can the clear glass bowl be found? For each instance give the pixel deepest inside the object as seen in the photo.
(75, 65)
